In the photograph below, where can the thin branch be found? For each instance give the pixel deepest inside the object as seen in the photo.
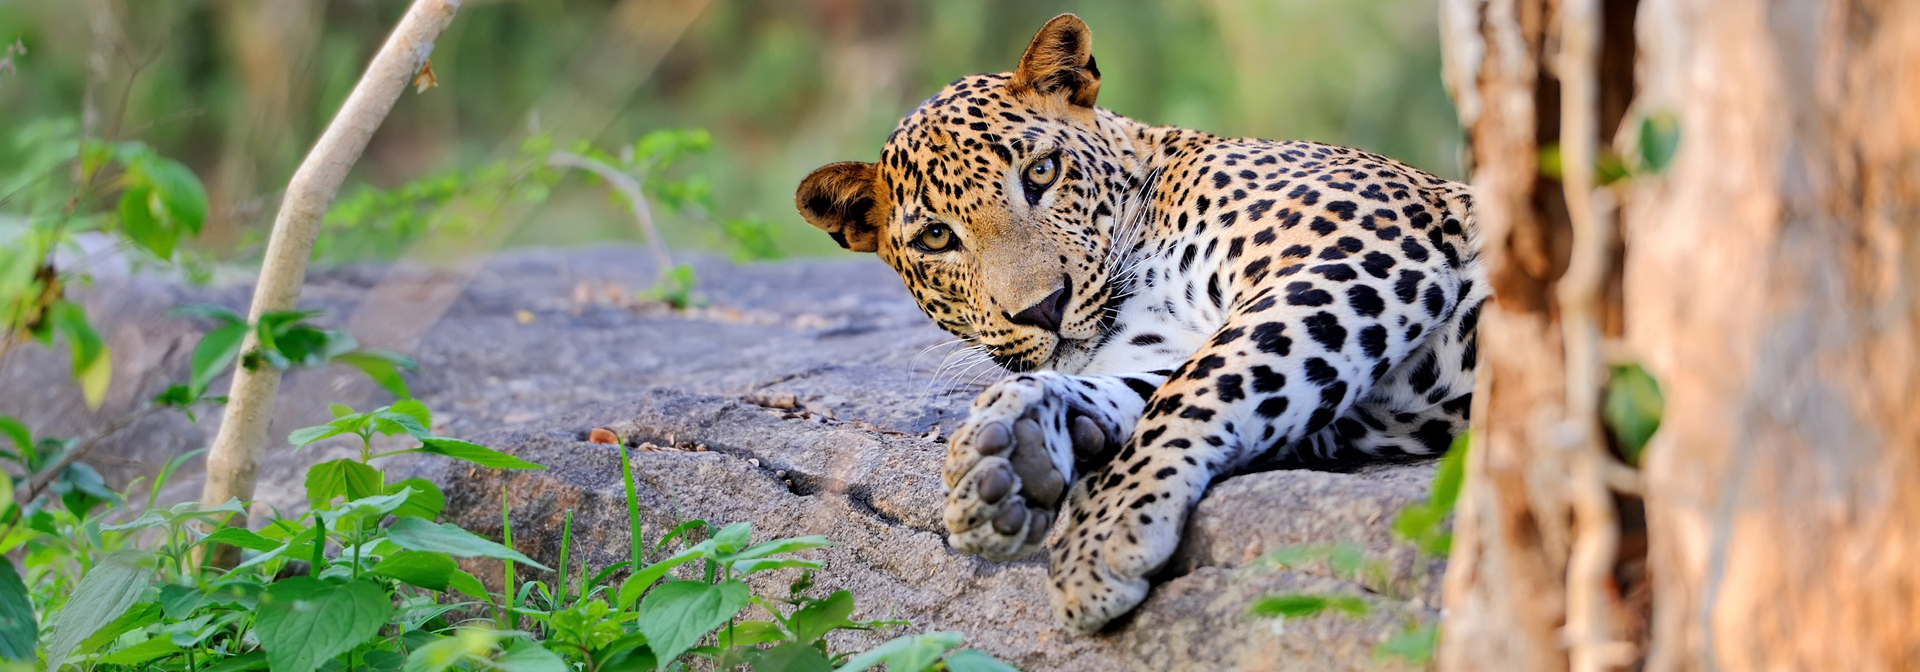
(233, 462)
(628, 186)
(46, 476)
(1591, 642)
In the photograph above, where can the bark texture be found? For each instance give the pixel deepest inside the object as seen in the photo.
(1773, 290)
(1767, 278)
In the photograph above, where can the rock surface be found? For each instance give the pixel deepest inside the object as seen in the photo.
(806, 398)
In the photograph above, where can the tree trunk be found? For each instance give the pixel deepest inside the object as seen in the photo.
(1766, 278)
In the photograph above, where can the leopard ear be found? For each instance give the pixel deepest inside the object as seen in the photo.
(1059, 61)
(838, 198)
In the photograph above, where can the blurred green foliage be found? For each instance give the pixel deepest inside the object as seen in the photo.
(239, 90)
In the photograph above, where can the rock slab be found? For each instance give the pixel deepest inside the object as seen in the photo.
(804, 398)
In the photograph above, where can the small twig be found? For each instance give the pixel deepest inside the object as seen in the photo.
(46, 476)
(628, 186)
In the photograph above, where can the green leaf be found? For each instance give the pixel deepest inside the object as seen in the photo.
(470, 585)
(635, 585)
(432, 571)
(213, 355)
(373, 507)
(345, 424)
(141, 227)
(677, 614)
(732, 538)
(137, 617)
(526, 656)
(1414, 644)
(241, 537)
(1345, 558)
(420, 535)
(1302, 605)
(342, 477)
(411, 408)
(1633, 408)
(791, 657)
(472, 452)
(426, 501)
(177, 193)
(787, 545)
(248, 662)
(394, 424)
(818, 618)
(443, 653)
(81, 489)
(303, 621)
(265, 558)
(16, 432)
(1659, 141)
(909, 653)
(114, 585)
(1424, 524)
(18, 631)
(92, 364)
(749, 633)
(208, 311)
(382, 366)
(768, 564)
(167, 470)
(628, 654)
(974, 660)
(380, 660)
(178, 602)
(142, 652)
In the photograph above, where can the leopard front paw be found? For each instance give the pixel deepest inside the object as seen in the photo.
(1008, 466)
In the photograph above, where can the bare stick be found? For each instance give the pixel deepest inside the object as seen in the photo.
(234, 460)
(627, 185)
(1590, 638)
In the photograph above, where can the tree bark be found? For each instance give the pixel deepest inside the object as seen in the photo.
(233, 462)
(1769, 279)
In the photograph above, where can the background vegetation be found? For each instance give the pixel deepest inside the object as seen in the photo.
(238, 90)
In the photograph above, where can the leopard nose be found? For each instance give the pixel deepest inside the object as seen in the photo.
(1046, 313)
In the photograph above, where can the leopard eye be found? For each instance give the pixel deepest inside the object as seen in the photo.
(1041, 175)
(937, 238)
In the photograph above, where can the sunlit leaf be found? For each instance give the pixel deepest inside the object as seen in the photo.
(677, 614)
(215, 352)
(106, 592)
(18, 632)
(382, 367)
(432, 571)
(1414, 645)
(426, 501)
(973, 660)
(472, 452)
(342, 477)
(304, 621)
(1633, 409)
(910, 653)
(1302, 605)
(1659, 141)
(421, 535)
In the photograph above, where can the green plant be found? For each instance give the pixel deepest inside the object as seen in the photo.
(1423, 524)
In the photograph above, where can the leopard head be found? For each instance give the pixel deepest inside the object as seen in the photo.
(995, 200)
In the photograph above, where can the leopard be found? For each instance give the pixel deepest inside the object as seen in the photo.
(1171, 308)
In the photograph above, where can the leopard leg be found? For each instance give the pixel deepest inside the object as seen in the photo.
(1009, 465)
(1268, 380)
